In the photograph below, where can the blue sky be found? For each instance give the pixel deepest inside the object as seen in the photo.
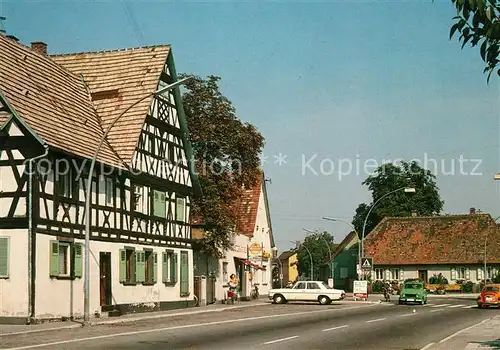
(347, 81)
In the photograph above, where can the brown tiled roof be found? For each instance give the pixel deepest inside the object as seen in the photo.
(53, 101)
(286, 255)
(248, 208)
(124, 76)
(451, 239)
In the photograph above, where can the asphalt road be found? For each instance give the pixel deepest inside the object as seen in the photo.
(294, 326)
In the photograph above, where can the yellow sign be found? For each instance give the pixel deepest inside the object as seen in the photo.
(255, 249)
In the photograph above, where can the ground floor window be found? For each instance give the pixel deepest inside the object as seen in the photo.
(65, 259)
(224, 272)
(379, 274)
(4, 257)
(151, 262)
(395, 275)
(169, 267)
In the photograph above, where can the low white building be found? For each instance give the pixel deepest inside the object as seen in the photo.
(56, 108)
(251, 257)
(456, 247)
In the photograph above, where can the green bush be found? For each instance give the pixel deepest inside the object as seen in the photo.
(438, 279)
(377, 287)
(467, 287)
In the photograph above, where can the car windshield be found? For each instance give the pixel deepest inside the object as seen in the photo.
(491, 289)
(413, 286)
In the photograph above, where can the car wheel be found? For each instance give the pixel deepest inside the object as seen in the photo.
(324, 300)
(279, 299)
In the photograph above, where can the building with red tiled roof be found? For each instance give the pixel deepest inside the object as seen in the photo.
(253, 245)
(56, 112)
(455, 246)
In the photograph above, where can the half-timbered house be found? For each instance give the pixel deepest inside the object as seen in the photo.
(53, 112)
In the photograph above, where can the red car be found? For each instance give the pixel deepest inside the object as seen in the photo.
(490, 296)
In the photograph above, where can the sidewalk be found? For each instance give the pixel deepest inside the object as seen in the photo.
(50, 326)
(484, 335)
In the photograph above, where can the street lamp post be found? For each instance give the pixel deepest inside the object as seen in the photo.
(86, 277)
(353, 228)
(327, 245)
(406, 189)
(300, 244)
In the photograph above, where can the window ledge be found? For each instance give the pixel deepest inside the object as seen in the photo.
(4, 277)
(62, 278)
(129, 283)
(148, 283)
(185, 295)
(169, 284)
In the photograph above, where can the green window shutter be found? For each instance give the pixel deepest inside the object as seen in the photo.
(54, 258)
(4, 256)
(164, 267)
(139, 267)
(184, 274)
(123, 265)
(159, 203)
(155, 267)
(78, 260)
(173, 268)
(180, 208)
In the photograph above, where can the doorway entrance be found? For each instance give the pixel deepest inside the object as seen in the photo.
(105, 278)
(422, 275)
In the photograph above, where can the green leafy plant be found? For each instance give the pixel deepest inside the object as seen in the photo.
(478, 23)
(389, 177)
(438, 279)
(227, 158)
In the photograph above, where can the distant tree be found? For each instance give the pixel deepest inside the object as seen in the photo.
(226, 155)
(478, 23)
(319, 251)
(389, 177)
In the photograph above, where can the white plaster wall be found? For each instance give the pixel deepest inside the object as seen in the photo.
(14, 290)
(57, 298)
(445, 270)
(261, 236)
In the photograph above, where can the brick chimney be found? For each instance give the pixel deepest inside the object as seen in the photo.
(40, 47)
(472, 211)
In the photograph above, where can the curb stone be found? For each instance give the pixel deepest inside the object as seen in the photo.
(151, 317)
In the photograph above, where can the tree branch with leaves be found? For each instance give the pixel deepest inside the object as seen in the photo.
(227, 158)
(478, 23)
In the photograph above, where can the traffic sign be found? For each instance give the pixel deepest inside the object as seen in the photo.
(366, 263)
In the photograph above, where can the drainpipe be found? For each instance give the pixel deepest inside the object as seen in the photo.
(31, 279)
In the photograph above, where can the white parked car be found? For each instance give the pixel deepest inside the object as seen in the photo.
(307, 291)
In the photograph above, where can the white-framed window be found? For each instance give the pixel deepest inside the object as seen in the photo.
(4, 257)
(395, 275)
(491, 272)
(65, 259)
(225, 277)
(379, 274)
(460, 273)
(108, 190)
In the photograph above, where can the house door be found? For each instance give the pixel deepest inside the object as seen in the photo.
(422, 275)
(105, 278)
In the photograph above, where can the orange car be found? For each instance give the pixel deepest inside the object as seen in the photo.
(490, 296)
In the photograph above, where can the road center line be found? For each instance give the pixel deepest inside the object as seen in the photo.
(463, 330)
(454, 306)
(440, 305)
(413, 313)
(280, 340)
(163, 329)
(427, 346)
(437, 310)
(376, 320)
(338, 327)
